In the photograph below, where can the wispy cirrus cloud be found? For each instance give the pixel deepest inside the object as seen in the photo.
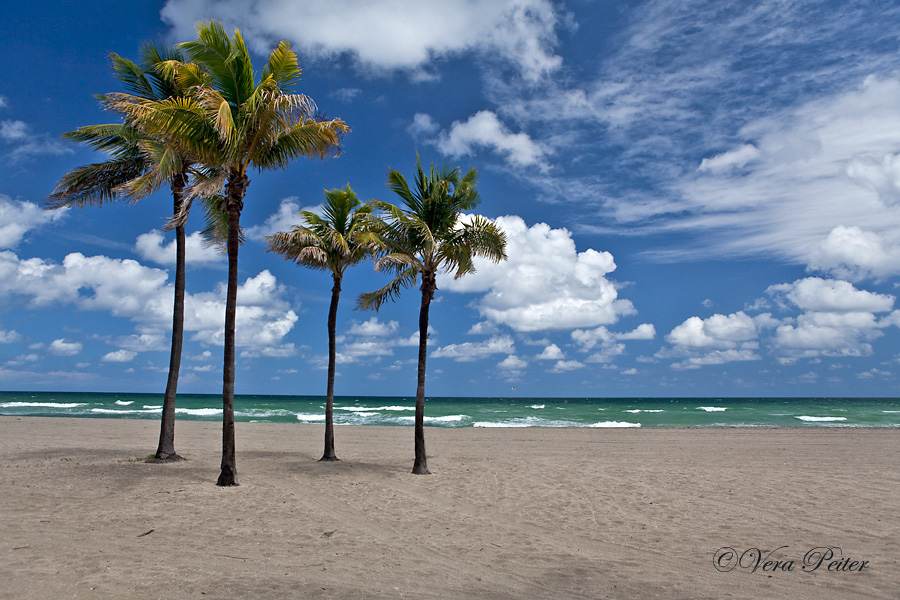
(744, 128)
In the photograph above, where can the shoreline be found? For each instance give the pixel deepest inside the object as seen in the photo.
(508, 513)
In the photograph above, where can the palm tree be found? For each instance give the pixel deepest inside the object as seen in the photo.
(333, 242)
(427, 236)
(138, 166)
(234, 123)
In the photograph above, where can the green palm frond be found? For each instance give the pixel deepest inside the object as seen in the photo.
(116, 139)
(96, 183)
(314, 139)
(375, 300)
(133, 77)
(283, 66)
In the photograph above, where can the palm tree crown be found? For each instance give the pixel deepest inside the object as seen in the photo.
(139, 164)
(230, 120)
(431, 234)
(334, 241)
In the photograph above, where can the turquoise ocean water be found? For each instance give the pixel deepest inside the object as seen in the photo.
(475, 412)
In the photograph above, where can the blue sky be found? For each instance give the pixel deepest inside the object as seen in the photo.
(701, 198)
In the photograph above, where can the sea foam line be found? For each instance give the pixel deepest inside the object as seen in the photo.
(371, 408)
(125, 411)
(42, 404)
(826, 419)
(712, 408)
(200, 412)
(446, 419)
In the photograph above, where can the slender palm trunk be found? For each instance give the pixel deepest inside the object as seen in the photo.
(420, 467)
(165, 451)
(235, 189)
(329, 399)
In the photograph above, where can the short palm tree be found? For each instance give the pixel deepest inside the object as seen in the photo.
(233, 122)
(335, 241)
(139, 165)
(430, 234)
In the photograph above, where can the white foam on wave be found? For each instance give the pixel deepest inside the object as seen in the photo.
(264, 413)
(647, 410)
(446, 419)
(124, 402)
(536, 406)
(615, 424)
(825, 419)
(153, 406)
(891, 411)
(125, 411)
(307, 417)
(373, 408)
(41, 404)
(712, 408)
(199, 412)
(499, 424)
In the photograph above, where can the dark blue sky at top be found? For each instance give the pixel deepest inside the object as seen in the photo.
(740, 164)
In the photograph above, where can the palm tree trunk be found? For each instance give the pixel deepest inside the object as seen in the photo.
(165, 451)
(234, 198)
(420, 467)
(329, 454)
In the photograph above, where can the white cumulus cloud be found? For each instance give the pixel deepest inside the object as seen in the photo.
(551, 352)
(120, 356)
(128, 289)
(18, 218)
(546, 283)
(151, 246)
(851, 253)
(831, 295)
(61, 347)
(471, 351)
(484, 130)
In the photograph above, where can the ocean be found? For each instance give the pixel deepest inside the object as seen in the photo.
(474, 412)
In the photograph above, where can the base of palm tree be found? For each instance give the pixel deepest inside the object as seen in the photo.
(420, 470)
(166, 458)
(329, 459)
(227, 478)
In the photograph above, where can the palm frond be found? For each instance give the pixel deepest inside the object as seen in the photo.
(132, 77)
(375, 300)
(96, 183)
(283, 66)
(116, 139)
(215, 234)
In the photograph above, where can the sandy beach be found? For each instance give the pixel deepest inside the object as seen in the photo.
(507, 513)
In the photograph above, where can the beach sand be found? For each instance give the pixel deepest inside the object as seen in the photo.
(507, 513)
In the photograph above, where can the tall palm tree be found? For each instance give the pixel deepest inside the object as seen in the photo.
(427, 236)
(335, 241)
(234, 123)
(139, 165)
